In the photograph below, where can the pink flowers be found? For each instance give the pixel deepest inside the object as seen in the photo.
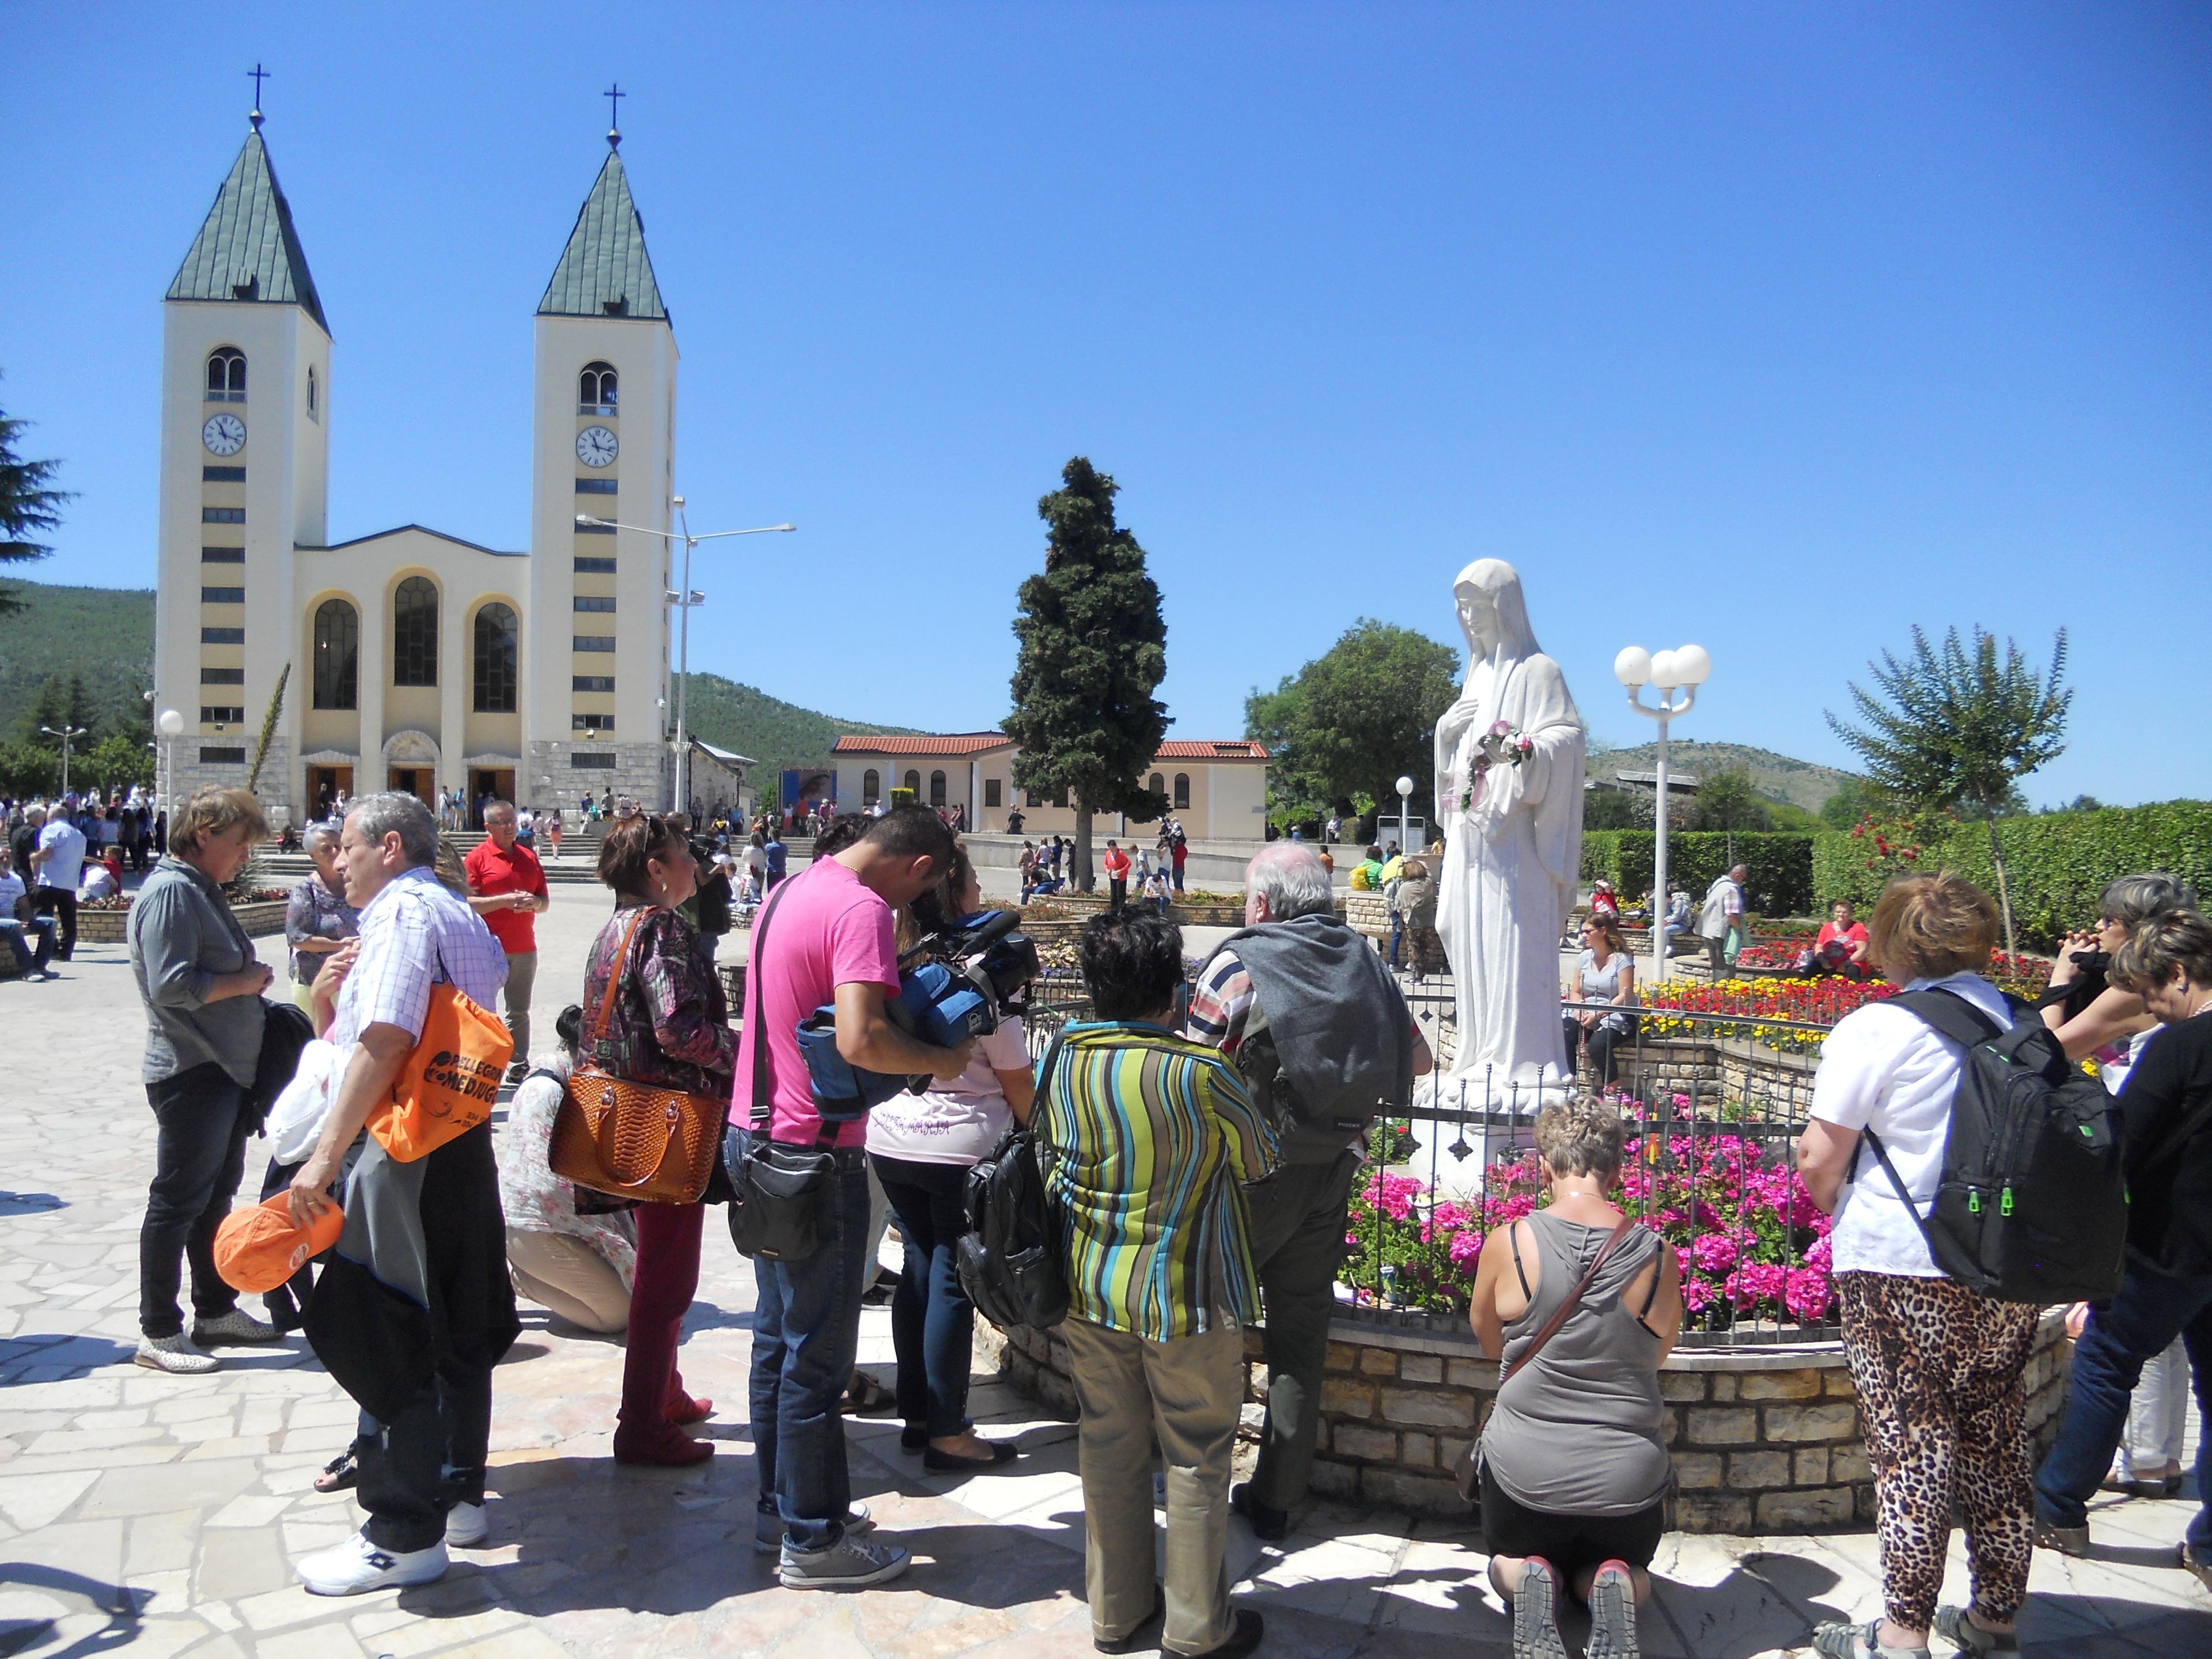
(1750, 1243)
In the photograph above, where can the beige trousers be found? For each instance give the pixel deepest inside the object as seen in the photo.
(1187, 1394)
(569, 1277)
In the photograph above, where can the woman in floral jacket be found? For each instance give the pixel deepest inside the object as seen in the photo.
(669, 1026)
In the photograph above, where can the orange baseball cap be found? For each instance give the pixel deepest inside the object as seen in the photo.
(258, 1248)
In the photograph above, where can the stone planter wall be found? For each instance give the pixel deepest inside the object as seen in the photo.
(260, 920)
(1748, 1072)
(1764, 1440)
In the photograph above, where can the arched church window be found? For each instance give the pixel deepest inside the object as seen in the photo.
(1155, 784)
(226, 375)
(871, 787)
(595, 390)
(1183, 791)
(338, 656)
(415, 633)
(937, 789)
(496, 659)
(913, 784)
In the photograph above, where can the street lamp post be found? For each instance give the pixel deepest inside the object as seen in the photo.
(1405, 805)
(688, 599)
(170, 723)
(1685, 669)
(68, 735)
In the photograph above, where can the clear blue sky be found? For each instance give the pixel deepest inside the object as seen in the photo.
(1773, 328)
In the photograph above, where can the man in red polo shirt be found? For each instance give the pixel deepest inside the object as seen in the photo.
(506, 888)
(1117, 875)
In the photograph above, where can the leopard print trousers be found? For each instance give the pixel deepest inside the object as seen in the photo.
(1938, 1374)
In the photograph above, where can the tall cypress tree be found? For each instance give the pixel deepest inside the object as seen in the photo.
(1094, 649)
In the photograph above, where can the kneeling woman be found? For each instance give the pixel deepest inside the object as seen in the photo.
(578, 1264)
(1574, 1459)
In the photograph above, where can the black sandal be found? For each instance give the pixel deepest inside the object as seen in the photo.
(865, 1397)
(340, 1474)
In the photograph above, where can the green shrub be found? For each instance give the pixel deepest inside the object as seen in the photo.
(2057, 863)
(903, 798)
(1781, 882)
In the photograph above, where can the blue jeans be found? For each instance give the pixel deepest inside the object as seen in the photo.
(806, 1331)
(200, 1158)
(1397, 936)
(933, 1321)
(2137, 1325)
(29, 959)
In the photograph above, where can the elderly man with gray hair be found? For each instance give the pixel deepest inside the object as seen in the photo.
(415, 1307)
(1305, 1009)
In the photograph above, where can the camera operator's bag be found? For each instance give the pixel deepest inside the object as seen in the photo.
(2031, 1205)
(1009, 1258)
(635, 1140)
(776, 1198)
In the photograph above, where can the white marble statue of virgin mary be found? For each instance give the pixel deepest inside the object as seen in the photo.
(1513, 853)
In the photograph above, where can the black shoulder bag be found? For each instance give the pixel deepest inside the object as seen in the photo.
(777, 1185)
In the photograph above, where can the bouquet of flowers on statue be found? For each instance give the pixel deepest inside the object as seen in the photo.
(1501, 745)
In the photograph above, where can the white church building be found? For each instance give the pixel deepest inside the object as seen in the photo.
(417, 660)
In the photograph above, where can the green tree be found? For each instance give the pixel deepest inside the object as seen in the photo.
(62, 701)
(25, 770)
(1093, 651)
(115, 761)
(28, 504)
(1616, 809)
(1852, 802)
(1728, 801)
(1350, 723)
(1959, 728)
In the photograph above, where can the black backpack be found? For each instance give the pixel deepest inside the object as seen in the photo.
(2031, 1206)
(1009, 1257)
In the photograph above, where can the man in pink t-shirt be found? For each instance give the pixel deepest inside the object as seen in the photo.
(825, 937)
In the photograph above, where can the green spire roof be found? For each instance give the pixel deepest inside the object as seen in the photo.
(604, 271)
(247, 249)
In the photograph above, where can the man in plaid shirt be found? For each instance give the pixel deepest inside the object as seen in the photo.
(415, 1307)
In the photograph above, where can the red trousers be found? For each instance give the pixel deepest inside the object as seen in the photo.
(667, 1278)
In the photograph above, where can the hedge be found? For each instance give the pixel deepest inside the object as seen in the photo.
(1781, 865)
(2057, 864)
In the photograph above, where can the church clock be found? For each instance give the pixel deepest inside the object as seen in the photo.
(596, 446)
(223, 434)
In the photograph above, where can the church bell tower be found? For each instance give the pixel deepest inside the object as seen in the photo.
(246, 378)
(602, 447)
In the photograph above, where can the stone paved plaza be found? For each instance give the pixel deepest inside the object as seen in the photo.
(158, 1515)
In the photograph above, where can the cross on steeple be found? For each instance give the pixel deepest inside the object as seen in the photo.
(258, 76)
(614, 94)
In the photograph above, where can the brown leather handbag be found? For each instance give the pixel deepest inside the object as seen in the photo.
(634, 1140)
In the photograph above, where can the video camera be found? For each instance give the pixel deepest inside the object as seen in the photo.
(959, 981)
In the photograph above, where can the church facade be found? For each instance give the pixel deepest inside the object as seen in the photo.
(417, 660)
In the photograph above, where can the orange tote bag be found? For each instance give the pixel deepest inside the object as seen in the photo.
(450, 1080)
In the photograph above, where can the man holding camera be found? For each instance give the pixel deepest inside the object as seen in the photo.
(828, 940)
(1317, 1029)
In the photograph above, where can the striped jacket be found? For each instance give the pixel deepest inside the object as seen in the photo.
(1150, 1137)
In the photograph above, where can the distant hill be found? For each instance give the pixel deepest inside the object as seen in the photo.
(1777, 777)
(104, 634)
(774, 732)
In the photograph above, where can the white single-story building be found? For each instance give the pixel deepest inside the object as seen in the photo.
(1218, 790)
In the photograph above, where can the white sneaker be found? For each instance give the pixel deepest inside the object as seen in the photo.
(768, 1528)
(848, 1563)
(236, 1326)
(357, 1565)
(174, 1355)
(466, 1526)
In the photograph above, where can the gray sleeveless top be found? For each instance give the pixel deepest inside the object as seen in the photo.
(1581, 1431)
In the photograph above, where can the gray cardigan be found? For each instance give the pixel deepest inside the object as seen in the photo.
(182, 938)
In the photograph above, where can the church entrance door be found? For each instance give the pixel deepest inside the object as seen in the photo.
(413, 781)
(497, 782)
(325, 784)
